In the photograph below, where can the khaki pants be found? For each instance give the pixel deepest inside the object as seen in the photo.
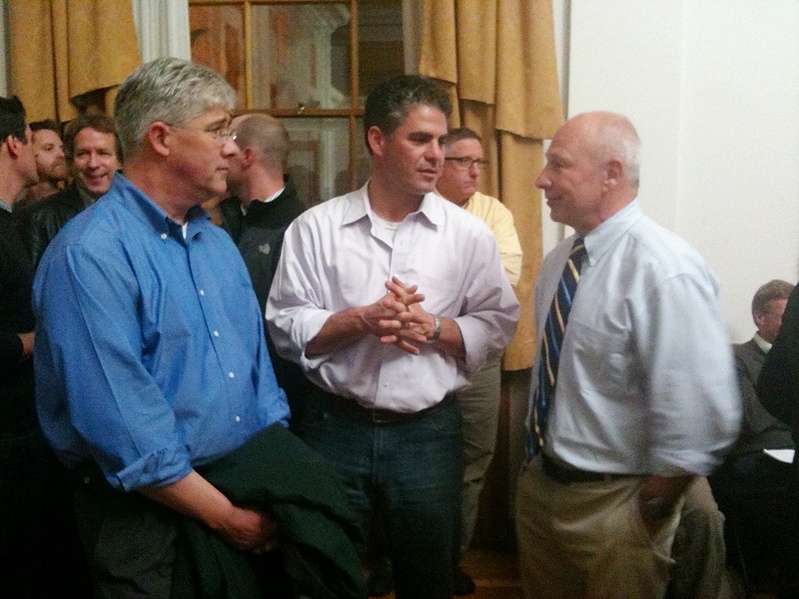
(587, 540)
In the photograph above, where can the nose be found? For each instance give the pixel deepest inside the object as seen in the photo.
(93, 161)
(435, 152)
(542, 181)
(229, 148)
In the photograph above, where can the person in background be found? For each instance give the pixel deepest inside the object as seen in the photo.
(389, 297)
(756, 491)
(479, 402)
(93, 156)
(263, 205)
(50, 162)
(144, 372)
(633, 393)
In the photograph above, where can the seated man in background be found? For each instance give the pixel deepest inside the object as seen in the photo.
(150, 356)
(263, 205)
(93, 156)
(51, 165)
(753, 489)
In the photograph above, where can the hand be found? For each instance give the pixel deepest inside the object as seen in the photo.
(417, 326)
(249, 530)
(27, 344)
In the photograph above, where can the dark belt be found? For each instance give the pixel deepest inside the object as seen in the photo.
(568, 475)
(377, 416)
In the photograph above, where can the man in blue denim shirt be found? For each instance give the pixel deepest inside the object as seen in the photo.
(150, 354)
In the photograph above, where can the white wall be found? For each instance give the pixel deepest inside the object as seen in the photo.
(713, 88)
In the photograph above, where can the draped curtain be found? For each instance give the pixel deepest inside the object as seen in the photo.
(70, 56)
(496, 59)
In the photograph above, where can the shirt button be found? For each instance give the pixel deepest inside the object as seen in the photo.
(163, 235)
(202, 292)
(230, 375)
(238, 418)
(216, 333)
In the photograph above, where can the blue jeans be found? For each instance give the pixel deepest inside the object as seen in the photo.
(412, 469)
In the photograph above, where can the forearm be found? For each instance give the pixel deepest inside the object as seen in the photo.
(193, 496)
(450, 341)
(340, 330)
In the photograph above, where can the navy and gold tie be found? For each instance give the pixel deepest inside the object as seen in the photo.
(554, 330)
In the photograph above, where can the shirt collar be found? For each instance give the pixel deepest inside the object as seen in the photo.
(761, 343)
(152, 212)
(271, 198)
(431, 208)
(5, 206)
(603, 237)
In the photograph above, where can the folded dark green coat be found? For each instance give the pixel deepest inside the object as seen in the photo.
(277, 473)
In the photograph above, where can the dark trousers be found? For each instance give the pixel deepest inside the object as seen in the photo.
(128, 539)
(409, 468)
(760, 498)
(40, 556)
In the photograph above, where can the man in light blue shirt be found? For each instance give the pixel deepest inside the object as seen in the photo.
(645, 397)
(150, 354)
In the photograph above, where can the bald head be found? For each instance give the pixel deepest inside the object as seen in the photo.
(612, 137)
(266, 136)
(256, 171)
(592, 170)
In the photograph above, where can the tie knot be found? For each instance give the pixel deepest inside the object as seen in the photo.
(578, 252)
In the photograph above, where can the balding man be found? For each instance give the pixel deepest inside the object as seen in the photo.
(264, 205)
(634, 391)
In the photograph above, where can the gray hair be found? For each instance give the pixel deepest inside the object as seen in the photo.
(618, 139)
(170, 90)
(776, 289)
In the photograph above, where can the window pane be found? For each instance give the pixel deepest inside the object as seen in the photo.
(319, 157)
(217, 41)
(380, 52)
(298, 57)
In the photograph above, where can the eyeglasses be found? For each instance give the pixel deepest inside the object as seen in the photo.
(221, 134)
(466, 162)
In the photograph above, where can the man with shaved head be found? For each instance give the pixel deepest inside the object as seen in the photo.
(265, 203)
(633, 393)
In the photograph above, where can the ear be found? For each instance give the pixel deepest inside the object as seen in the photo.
(12, 144)
(158, 136)
(760, 320)
(375, 138)
(247, 157)
(614, 172)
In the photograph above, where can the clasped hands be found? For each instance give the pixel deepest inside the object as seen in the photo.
(399, 318)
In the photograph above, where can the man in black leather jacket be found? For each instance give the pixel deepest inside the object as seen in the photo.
(93, 156)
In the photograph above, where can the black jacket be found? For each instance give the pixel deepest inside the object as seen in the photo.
(17, 410)
(278, 473)
(42, 219)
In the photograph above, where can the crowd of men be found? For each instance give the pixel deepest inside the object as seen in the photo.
(153, 363)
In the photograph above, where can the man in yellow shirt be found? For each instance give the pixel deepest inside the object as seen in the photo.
(479, 402)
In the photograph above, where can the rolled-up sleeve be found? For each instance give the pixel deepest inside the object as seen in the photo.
(92, 388)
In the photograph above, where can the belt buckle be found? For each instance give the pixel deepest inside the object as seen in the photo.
(382, 417)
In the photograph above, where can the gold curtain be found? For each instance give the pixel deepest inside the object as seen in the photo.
(69, 56)
(497, 60)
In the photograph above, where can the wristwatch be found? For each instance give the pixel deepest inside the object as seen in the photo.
(656, 508)
(436, 329)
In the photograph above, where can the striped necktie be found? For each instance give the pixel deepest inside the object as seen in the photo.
(554, 329)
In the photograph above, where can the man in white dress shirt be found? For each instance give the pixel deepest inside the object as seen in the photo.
(645, 396)
(388, 297)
